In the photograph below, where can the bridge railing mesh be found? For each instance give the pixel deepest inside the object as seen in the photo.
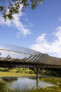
(15, 51)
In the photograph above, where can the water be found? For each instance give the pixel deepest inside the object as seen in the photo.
(22, 84)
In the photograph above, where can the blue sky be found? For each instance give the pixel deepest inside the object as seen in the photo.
(38, 29)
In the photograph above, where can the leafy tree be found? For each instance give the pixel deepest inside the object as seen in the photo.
(10, 7)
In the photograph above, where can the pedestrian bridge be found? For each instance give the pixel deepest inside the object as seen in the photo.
(14, 56)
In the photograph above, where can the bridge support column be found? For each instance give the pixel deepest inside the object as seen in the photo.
(37, 71)
(37, 76)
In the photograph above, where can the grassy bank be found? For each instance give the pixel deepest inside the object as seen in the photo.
(10, 74)
(15, 72)
(54, 80)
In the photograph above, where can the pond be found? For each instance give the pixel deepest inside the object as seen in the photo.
(23, 84)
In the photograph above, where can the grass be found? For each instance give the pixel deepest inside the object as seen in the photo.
(15, 72)
(54, 80)
(10, 74)
(50, 89)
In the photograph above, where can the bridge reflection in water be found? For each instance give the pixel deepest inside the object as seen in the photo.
(14, 56)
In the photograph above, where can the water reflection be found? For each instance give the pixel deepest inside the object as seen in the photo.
(22, 84)
(9, 79)
(27, 84)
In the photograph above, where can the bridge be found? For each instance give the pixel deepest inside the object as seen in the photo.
(14, 56)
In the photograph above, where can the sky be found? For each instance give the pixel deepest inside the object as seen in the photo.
(38, 29)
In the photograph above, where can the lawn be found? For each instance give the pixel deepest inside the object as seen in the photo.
(15, 72)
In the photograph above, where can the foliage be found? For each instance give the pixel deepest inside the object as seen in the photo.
(4, 69)
(37, 70)
(55, 73)
(11, 7)
(21, 70)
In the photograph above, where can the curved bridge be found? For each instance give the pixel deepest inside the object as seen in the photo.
(14, 56)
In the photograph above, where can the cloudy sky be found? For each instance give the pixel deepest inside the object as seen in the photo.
(38, 29)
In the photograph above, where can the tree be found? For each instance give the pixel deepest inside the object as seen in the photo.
(10, 7)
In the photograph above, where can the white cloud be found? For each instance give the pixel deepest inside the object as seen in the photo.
(59, 19)
(29, 23)
(3, 22)
(16, 23)
(20, 26)
(51, 48)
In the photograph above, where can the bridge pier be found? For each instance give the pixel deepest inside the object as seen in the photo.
(37, 71)
(37, 76)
